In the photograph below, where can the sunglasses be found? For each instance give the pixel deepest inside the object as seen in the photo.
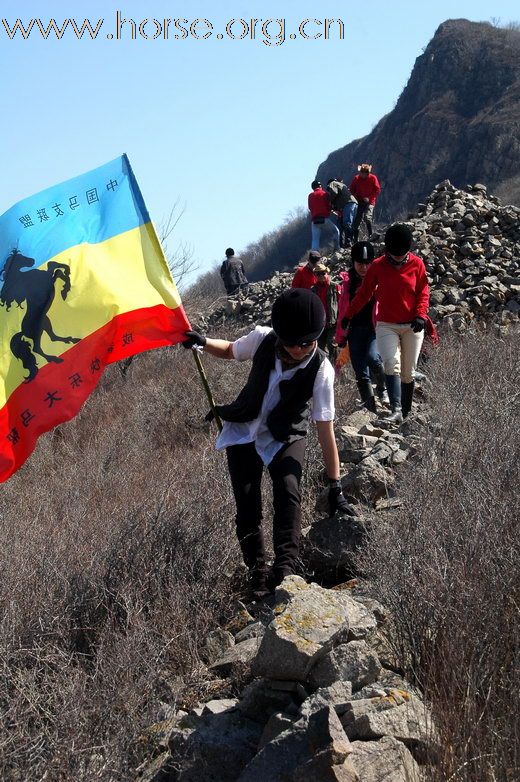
(296, 344)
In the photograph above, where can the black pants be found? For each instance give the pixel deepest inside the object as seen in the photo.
(245, 469)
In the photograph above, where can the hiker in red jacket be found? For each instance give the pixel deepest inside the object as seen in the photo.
(365, 188)
(304, 276)
(398, 280)
(320, 209)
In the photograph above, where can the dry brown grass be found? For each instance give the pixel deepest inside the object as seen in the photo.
(447, 566)
(117, 556)
(116, 545)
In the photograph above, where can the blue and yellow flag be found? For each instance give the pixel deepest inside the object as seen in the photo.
(83, 283)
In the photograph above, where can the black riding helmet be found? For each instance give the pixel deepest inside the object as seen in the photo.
(398, 239)
(363, 252)
(298, 316)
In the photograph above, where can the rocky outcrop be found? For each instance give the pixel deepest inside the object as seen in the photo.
(458, 117)
(470, 245)
(312, 721)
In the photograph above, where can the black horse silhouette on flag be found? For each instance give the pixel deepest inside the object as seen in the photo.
(35, 287)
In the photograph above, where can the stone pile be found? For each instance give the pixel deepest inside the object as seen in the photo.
(471, 247)
(326, 698)
(323, 703)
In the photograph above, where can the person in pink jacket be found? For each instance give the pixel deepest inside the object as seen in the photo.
(359, 333)
(365, 188)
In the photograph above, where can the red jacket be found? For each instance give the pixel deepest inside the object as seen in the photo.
(304, 278)
(402, 292)
(319, 203)
(365, 188)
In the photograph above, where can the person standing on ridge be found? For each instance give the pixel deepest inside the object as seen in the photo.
(304, 276)
(328, 295)
(399, 282)
(360, 333)
(365, 188)
(290, 380)
(345, 206)
(233, 273)
(320, 209)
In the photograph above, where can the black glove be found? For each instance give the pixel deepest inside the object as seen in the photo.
(194, 338)
(344, 323)
(337, 501)
(417, 325)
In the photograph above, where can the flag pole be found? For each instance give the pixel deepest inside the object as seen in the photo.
(207, 389)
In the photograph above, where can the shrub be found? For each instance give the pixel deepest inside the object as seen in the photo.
(447, 565)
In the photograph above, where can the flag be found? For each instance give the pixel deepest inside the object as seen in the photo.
(83, 283)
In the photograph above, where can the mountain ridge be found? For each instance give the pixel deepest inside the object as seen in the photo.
(465, 89)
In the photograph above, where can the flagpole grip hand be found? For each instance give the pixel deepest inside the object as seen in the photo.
(195, 340)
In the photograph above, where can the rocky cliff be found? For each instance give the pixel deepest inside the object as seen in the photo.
(458, 118)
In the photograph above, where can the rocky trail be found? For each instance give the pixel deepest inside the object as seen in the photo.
(322, 694)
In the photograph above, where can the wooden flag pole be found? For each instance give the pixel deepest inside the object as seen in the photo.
(207, 389)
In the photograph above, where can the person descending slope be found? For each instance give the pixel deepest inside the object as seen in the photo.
(320, 209)
(345, 205)
(360, 334)
(398, 280)
(365, 188)
(304, 276)
(290, 380)
(328, 294)
(233, 274)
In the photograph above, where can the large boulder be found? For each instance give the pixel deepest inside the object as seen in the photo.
(398, 715)
(330, 546)
(219, 748)
(286, 756)
(354, 662)
(309, 621)
(386, 760)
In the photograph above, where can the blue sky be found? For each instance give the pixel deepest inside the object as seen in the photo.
(232, 130)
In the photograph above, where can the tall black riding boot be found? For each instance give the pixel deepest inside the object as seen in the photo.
(393, 386)
(378, 376)
(367, 394)
(406, 397)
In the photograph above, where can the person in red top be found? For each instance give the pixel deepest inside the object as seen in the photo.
(399, 282)
(320, 209)
(305, 276)
(365, 188)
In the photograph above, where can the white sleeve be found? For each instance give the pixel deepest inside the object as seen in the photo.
(323, 393)
(245, 347)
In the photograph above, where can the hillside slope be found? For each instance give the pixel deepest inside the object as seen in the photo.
(458, 118)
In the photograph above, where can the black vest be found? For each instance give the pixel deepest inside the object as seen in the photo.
(288, 421)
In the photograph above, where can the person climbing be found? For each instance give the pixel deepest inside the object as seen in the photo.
(400, 284)
(304, 276)
(365, 188)
(320, 209)
(328, 295)
(233, 274)
(345, 206)
(290, 380)
(359, 333)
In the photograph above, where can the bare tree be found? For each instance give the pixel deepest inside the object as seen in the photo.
(180, 260)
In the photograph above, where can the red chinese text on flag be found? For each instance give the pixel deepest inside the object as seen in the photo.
(83, 283)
